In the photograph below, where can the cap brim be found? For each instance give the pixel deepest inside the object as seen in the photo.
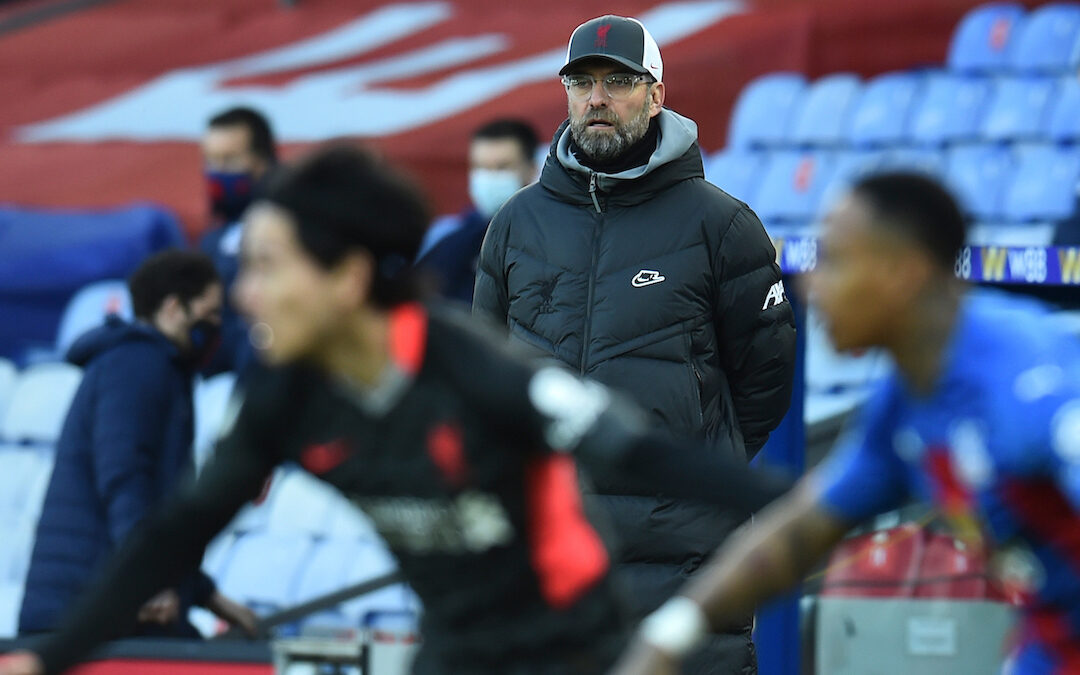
(635, 67)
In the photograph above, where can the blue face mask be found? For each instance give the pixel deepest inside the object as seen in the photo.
(490, 188)
(230, 193)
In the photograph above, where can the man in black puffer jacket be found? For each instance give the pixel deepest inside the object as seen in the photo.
(624, 263)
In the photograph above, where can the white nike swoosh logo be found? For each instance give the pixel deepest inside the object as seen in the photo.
(646, 278)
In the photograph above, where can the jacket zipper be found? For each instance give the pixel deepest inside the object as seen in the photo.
(587, 333)
(592, 191)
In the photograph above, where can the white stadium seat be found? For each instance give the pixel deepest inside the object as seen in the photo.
(264, 568)
(10, 601)
(9, 375)
(88, 308)
(40, 403)
(211, 399)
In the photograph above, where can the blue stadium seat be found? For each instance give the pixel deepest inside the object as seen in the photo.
(792, 187)
(15, 548)
(949, 110)
(880, 114)
(979, 175)
(848, 167)
(926, 160)
(1063, 125)
(736, 172)
(1044, 187)
(264, 568)
(980, 44)
(10, 603)
(823, 112)
(1018, 108)
(302, 504)
(88, 308)
(1047, 41)
(762, 114)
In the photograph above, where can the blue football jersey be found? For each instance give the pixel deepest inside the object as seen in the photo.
(996, 446)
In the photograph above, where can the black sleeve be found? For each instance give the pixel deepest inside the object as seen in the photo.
(168, 545)
(756, 328)
(489, 293)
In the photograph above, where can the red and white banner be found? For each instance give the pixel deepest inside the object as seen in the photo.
(106, 105)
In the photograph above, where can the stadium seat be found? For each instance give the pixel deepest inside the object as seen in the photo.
(792, 186)
(736, 172)
(846, 168)
(1018, 108)
(925, 160)
(1063, 125)
(264, 568)
(255, 516)
(980, 44)
(1047, 41)
(211, 399)
(39, 403)
(763, 113)
(345, 520)
(978, 176)
(10, 603)
(822, 115)
(218, 554)
(15, 548)
(24, 479)
(880, 114)
(949, 109)
(88, 308)
(301, 506)
(1044, 187)
(9, 375)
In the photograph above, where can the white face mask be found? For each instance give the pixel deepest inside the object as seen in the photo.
(490, 188)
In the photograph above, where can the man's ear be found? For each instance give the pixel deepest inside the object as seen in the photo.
(656, 98)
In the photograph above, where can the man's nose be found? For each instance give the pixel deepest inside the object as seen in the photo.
(598, 97)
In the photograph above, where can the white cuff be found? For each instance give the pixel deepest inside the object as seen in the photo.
(677, 628)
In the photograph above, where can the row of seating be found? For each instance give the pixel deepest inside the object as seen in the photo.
(1023, 184)
(923, 108)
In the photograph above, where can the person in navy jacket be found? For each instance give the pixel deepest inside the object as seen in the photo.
(126, 443)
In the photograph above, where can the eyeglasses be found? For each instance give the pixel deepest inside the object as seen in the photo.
(616, 85)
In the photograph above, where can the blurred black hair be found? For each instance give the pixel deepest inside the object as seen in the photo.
(262, 137)
(920, 208)
(186, 274)
(343, 199)
(517, 130)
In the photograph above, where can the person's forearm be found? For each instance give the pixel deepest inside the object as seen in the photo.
(764, 559)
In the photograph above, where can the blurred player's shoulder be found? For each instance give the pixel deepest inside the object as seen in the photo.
(268, 390)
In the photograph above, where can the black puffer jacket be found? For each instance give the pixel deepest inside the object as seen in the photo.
(658, 283)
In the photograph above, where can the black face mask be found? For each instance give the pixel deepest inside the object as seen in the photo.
(204, 337)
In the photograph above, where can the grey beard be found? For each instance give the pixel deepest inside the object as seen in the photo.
(604, 147)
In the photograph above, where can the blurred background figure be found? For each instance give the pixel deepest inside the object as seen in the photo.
(502, 160)
(239, 152)
(126, 443)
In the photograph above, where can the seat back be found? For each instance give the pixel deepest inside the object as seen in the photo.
(1018, 108)
(762, 114)
(736, 172)
(881, 112)
(949, 109)
(1044, 187)
(1047, 41)
(821, 117)
(1063, 123)
(980, 44)
(39, 403)
(88, 308)
(978, 176)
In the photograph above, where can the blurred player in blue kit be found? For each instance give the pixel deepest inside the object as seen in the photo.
(982, 419)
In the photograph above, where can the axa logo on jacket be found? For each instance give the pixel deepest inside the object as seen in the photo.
(646, 278)
(775, 295)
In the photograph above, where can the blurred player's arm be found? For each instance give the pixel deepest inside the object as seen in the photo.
(757, 563)
(161, 550)
(608, 433)
(766, 557)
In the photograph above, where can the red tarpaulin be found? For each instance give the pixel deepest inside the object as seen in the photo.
(105, 105)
